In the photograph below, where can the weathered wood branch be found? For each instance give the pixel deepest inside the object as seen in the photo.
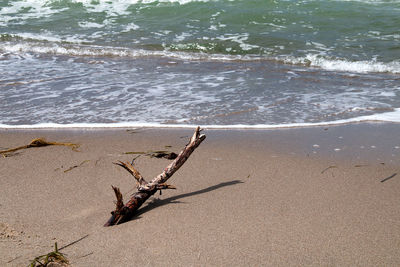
(135, 173)
(120, 202)
(123, 212)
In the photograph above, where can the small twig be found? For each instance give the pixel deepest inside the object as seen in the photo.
(14, 259)
(155, 154)
(390, 177)
(165, 186)
(133, 160)
(76, 166)
(132, 170)
(90, 253)
(330, 167)
(120, 203)
(73, 242)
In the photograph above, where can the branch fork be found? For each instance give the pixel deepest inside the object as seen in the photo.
(123, 212)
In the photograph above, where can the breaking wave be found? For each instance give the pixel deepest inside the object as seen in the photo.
(54, 45)
(393, 117)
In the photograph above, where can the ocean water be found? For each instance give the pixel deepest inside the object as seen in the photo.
(221, 63)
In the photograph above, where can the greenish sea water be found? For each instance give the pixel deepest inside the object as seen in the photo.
(221, 62)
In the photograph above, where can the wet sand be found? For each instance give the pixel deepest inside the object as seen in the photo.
(307, 196)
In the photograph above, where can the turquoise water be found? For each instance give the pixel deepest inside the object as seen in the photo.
(208, 62)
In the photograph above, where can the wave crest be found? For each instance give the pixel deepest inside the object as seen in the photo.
(74, 47)
(393, 117)
(344, 65)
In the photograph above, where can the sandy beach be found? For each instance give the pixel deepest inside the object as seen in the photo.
(320, 196)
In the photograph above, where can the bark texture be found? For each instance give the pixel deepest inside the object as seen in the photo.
(124, 212)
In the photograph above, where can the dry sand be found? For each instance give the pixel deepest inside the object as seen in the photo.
(310, 196)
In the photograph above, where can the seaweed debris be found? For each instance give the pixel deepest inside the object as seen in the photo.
(39, 142)
(51, 257)
(76, 166)
(55, 258)
(155, 154)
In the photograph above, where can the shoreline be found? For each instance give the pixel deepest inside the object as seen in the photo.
(258, 197)
(362, 140)
(391, 117)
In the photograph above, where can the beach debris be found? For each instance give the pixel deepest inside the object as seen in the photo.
(360, 165)
(76, 166)
(39, 142)
(165, 155)
(13, 259)
(7, 232)
(156, 154)
(87, 254)
(136, 130)
(124, 212)
(390, 177)
(330, 167)
(54, 258)
(131, 131)
(7, 155)
(74, 242)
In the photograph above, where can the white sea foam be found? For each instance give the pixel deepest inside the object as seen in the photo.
(240, 39)
(37, 8)
(130, 27)
(86, 24)
(374, 2)
(182, 2)
(19, 12)
(34, 44)
(382, 117)
(345, 65)
(74, 49)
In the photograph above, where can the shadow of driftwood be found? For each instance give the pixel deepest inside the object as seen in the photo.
(161, 202)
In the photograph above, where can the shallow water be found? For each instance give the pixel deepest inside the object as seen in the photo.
(251, 63)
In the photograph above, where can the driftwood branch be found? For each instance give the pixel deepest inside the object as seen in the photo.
(135, 173)
(123, 212)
